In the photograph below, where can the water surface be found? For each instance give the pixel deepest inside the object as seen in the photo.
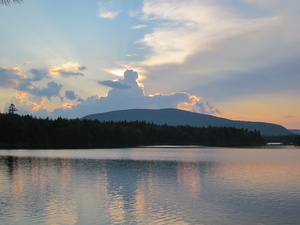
(154, 185)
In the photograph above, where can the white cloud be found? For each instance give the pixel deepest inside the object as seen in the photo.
(107, 10)
(108, 15)
(137, 27)
(183, 30)
(131, 55)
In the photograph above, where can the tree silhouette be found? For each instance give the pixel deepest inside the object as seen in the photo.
(30, 132)
(12, 108)
(9, 2)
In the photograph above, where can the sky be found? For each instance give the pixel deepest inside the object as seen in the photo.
(236, 59)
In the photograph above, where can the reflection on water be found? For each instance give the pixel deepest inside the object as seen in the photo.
(150, 186)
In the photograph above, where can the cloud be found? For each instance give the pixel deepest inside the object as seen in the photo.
(52, 89)
(107, 10)
(107, 14)
(138, 27)
(67, 70)
(28, 104)
(10, 77)
(128, 81)
(81, 68)
(289, 117)
(13, 78)
(114, 84)
(72, 96)
(206, 108)
(38, 74)
(129, 98)
(32, 89)
(23, 64)
(221, 50)
(178, 35)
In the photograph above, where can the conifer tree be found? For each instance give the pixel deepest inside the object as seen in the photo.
(12, 109)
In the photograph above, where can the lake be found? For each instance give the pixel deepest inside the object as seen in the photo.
(151, 185)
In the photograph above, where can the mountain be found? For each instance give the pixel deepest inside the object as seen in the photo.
(175, 117)
(295, 131)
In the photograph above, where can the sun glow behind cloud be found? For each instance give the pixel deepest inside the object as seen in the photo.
(67, 69)
(124, 93)
(116, 72)
(28, 102)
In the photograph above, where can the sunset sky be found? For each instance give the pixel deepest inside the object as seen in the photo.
(237, 59)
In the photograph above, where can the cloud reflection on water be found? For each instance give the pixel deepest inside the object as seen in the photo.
(208, 188)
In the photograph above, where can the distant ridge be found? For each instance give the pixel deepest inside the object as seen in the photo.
(174, 117)
(295, 131)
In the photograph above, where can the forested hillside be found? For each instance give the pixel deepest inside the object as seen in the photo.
(175, 117)
(28, 132)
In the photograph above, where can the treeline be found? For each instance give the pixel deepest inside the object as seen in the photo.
(29, 132)
(297, 140)
(292, 139)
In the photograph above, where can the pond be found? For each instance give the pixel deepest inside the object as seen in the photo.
(151, 185)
